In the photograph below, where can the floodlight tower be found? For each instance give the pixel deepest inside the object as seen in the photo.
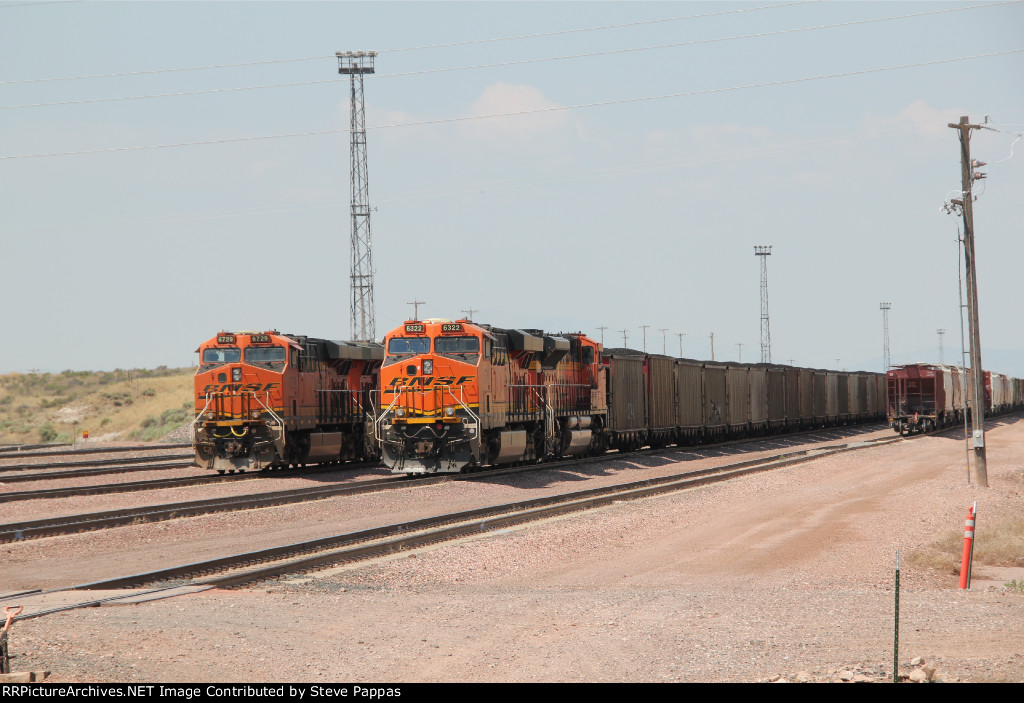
(942, 353)
(766, 334)
(884, 307)
(356, 64)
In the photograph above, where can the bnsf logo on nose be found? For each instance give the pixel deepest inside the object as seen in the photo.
(237, 387)
(428, 380)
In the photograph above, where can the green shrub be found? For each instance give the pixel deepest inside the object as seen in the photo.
(47, 433)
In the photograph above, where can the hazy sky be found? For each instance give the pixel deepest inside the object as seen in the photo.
(637, 202)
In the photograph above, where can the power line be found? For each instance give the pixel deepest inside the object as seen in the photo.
(501, 64)
(559, 108)
(607, 26)
(615, 171)
(410, 48)
(151, 72)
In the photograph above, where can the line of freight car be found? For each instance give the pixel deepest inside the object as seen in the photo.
(689, 401)
(456, 395)
(921, 397)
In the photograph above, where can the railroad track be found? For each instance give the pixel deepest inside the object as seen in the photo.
(51, 527)
(113, 465)
(83, 473)
(26, 450)
(240, 569)
(153, 484)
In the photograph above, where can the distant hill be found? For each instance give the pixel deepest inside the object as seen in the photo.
(137, 404)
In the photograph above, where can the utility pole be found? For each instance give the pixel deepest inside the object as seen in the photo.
(356, 64)
(644, 328)
(416, 308)
(625, 339)
(885, 307)
(469, 313)
(712, 346)
(766, 333)
(680, 335)
(602, 328)
(942, 351)
(663, 348)
(739, 351)
(967, 178)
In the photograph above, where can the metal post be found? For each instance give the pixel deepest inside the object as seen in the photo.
(663, 347)
(766, 334)
(885, 307)
(644, 328)
(680, 335)
(967, 178)
(355, 64)
(942, 354)
(416, 308)
(896, 633)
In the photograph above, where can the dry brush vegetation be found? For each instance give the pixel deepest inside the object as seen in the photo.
(136, 404)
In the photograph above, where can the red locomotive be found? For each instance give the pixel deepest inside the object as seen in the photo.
(270, 400)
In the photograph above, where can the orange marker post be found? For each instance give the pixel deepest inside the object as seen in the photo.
(965, 561)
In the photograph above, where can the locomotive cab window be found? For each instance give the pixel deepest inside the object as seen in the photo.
(457, 345)
(410, 345)
(229, 355)
(270, 357)
(403, 347)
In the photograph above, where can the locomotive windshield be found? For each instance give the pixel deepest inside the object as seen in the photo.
(457, 345)
(229, 355)
(409, 345)
(260, 354)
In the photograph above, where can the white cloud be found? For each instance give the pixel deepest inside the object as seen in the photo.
(927, 121)
(506, 98)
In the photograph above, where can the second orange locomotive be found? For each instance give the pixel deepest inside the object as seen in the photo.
(269, 400)
(455, 394)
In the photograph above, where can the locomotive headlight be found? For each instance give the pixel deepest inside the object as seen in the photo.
(400, 412)
(449, 412)
(428, 367)
(236, 375)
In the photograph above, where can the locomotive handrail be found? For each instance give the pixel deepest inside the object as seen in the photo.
(266, 407)
(356, 406)
(376, 430)
(192, 425)
(465, 407)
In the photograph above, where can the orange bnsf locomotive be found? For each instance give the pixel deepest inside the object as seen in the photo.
(269, 400)
(455, 395)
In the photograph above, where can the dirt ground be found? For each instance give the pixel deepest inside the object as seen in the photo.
(785, 574)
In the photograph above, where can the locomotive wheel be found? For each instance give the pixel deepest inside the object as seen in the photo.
(220, 471)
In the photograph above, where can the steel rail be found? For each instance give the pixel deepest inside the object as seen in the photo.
(388, 539)
(70, 524)
(155, 484)
(84, 473)
(51, 527)
(95, 462)
(86, 450)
